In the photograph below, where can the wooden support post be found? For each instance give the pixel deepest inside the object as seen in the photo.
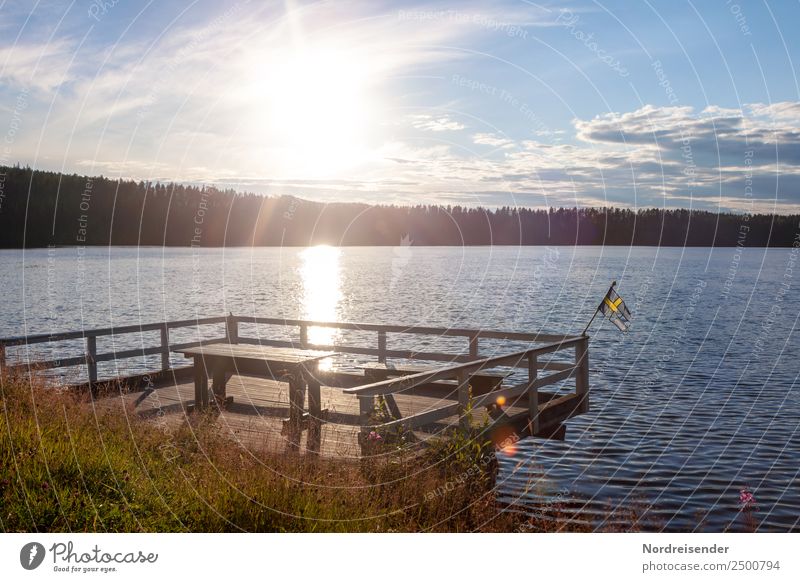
(314, 439)
(582, 375)
(219, 373)
(164, 347)
(304, 336)
(366, 408)
(91, 358)
(391, 406)
(2, 358)
(200, 383)
(297, 400)
(382, 347)
(463, 399)
(473, 347)
(533, 395)
(232, 329)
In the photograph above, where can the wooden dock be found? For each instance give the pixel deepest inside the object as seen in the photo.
(340, 411)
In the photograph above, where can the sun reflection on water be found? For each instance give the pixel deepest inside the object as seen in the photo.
(321, 278)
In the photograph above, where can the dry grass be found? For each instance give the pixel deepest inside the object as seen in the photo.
(69, 465)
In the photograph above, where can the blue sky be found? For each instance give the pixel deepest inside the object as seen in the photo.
(636, 104)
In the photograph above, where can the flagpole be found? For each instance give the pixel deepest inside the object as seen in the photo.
(613, 284)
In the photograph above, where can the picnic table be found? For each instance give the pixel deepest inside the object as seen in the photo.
(298, 367)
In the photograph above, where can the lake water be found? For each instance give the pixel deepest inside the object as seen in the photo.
(696, 403)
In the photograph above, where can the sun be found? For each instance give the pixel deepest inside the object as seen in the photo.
(316, 106)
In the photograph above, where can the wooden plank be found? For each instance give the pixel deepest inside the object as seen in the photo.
(91, 358)
(314, 435)
(382, 346)
(200, 383)
(164, 347)
(422, 418)
(410, 329)
(395, 385)
(297, 397)
(103, 331)
(522, 388)
(231, 329)
(463, 398)
(260, 353)
(582, 377)
(391, 405)
(533, 394)
(219, 372)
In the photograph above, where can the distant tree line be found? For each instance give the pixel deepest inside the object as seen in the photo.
(38, 209)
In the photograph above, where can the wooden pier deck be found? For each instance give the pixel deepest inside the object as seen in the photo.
(418, 394)
(256, 416)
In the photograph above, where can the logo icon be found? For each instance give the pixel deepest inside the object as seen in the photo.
(31, 555)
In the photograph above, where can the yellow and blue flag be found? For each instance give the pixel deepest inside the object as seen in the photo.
(615, 310)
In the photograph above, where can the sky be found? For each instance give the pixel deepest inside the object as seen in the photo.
(627, 104)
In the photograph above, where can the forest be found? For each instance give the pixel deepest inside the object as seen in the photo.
(39, 209)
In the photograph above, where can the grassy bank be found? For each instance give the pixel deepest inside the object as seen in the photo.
(69, 465)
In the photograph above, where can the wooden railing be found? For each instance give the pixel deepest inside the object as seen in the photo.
(380, 349)
(91, 358)
(462, 373)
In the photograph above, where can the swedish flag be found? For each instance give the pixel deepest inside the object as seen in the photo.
(613, 307)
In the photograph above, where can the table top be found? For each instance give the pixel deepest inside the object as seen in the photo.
(255, 352)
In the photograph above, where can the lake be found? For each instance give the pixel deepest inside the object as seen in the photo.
(697, 402)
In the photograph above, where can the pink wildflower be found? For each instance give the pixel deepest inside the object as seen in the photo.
(746, 498)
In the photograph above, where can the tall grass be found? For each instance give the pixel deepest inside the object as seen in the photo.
(69, 464)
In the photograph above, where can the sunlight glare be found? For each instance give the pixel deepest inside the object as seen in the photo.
(317, 106)
(320, 274)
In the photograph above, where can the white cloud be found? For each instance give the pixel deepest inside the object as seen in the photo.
(493, 140)
(434, 123)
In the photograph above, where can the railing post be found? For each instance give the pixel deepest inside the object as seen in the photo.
(473, 346)
(91, 358)
(366, 409)
(382, 347)
(164, 347)
(533, 394)
(2, 358)
(232, 329)
(303, 336)
(582, 376)
(463, 399)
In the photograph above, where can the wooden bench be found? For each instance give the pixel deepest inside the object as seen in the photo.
(481, 383)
